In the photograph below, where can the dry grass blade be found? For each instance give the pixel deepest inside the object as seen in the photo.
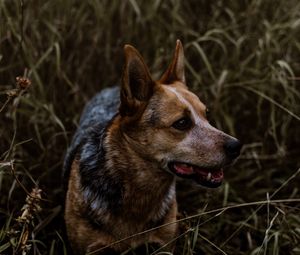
(218, 211)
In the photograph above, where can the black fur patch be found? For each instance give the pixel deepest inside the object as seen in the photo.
(98, 186)
(97, 113)
(101, 188)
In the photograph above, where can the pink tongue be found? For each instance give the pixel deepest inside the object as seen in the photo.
(188, 170)
(183, 169)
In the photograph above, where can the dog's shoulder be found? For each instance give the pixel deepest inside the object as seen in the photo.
(96, 115)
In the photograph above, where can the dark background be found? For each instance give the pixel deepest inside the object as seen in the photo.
(242, 59)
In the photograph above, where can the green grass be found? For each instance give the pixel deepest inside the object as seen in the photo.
(242, 59)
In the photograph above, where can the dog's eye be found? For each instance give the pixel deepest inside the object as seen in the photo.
(183, 124)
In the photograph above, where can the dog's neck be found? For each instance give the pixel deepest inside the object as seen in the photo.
(147, 188)
(117, 181)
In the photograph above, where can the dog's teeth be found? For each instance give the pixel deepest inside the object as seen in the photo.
(208, 178)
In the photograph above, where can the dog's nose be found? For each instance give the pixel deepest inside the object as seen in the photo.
(232, 148)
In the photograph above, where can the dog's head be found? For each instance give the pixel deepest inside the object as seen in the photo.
(166, 123)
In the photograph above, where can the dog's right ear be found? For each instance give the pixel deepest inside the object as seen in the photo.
(137, 84)
(175, 71)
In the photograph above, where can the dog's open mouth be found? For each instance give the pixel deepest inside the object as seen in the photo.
(208, 177)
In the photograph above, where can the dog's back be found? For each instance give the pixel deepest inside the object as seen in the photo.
(95, 116)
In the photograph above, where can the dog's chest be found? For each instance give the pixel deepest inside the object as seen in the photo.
(152, 204)
(166, 203)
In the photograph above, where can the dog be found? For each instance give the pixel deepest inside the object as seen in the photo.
(130, 145)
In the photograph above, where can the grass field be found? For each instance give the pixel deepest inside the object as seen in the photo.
(242, 59)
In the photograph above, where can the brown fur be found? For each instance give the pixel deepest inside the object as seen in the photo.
(85, 238)
(140, 142)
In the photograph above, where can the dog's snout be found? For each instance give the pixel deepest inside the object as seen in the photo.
(232, 148)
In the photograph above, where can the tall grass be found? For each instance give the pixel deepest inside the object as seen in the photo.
(242, 59)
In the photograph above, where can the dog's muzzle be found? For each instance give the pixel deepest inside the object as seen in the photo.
(211, 177)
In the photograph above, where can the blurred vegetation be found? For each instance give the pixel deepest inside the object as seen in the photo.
(243, 60)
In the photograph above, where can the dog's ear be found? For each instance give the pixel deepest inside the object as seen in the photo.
(137, 84)
(175, 71)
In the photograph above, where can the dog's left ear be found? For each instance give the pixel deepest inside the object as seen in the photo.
(175, 71)
(137, 84)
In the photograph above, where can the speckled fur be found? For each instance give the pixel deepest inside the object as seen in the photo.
(116, 170)
(106, 202)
